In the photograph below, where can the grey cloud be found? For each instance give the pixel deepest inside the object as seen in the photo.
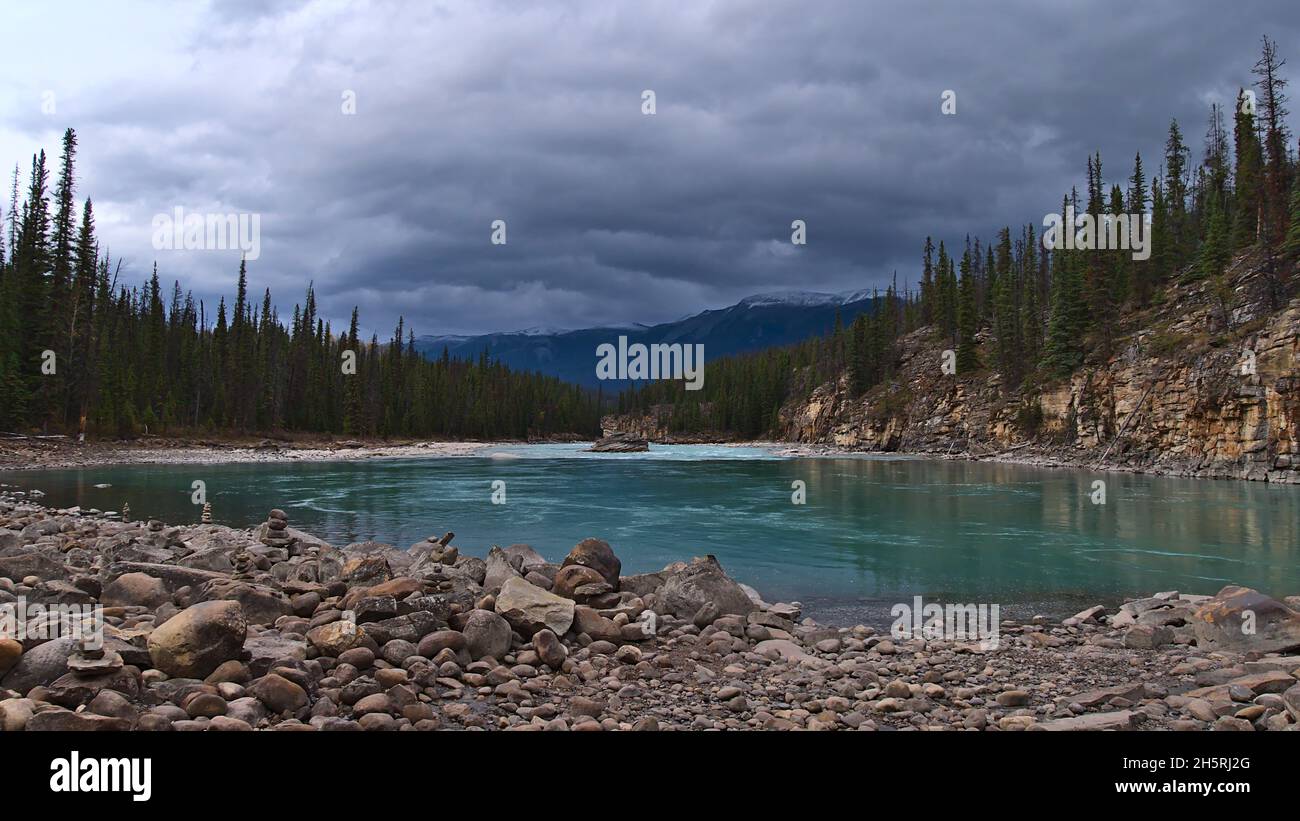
(469, 112)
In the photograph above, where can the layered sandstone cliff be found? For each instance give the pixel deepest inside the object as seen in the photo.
(1207, 383)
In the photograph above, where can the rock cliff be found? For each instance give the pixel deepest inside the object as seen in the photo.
(1204, 383)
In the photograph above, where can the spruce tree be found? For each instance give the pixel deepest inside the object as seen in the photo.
(967, 353)
(1246, 175)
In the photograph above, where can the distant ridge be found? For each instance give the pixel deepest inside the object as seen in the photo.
(756, 322)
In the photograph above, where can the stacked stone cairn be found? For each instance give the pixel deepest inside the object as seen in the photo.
(277, 532)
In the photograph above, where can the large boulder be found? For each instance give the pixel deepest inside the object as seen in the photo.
(619, 442)
(278, 693)
(215, 559)
(40, 665)
(260, 604)
(589, 621)
(270, 649)
(172, 576)
(365, 571)
(642, 584)
(1243, 620)
(135, 589)
(32, 564)
(196, 640)
(597, 555)
(571, 577)
(10, 652)
(486, 634)
(62, 720)
(499, 570)
(528, 608)
(689, 588)
(335, 638)
(411, 627)
(524, 558)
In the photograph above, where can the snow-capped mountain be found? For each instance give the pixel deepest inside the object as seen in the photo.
(756, 322)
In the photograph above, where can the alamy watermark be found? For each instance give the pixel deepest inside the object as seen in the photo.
(655, 361)
(1084, 232)
(952, 622)
(208, 232)
(38, 622)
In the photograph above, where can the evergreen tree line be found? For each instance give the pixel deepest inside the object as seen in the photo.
(129, 360)
(1027, 313)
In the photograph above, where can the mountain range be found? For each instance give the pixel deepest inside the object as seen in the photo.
(754, 323)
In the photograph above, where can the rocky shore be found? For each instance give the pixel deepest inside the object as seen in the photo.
(54, 452)
(211, 628)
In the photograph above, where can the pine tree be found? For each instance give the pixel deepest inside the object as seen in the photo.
(1246, 175)
(1006, 324)
(1175, 202)
(1274, 212)
(968, 314)
(1214, 252)
(1291, 248)
(1031, 321)
(1067, 323)
(927, 283)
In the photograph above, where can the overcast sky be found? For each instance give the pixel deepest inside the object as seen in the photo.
(766, 112)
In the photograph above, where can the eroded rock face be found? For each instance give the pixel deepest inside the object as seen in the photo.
(620, 442)
(1185, 407)
(1244, 620)
(703, 581)
(195, 641)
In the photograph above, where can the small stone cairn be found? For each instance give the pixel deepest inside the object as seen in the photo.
(277, 533)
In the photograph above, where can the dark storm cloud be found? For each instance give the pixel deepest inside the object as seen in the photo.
(467, 113)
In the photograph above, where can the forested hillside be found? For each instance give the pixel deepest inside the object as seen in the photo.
(125, 359)
(1025, 318)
